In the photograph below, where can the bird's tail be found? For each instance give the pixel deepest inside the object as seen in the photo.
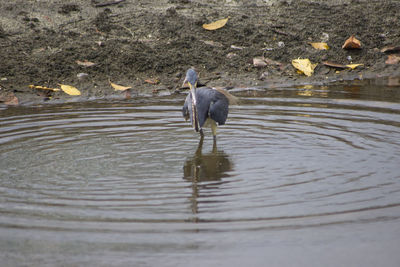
(233, 100)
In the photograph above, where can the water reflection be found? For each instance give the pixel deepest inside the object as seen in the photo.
(201, 169)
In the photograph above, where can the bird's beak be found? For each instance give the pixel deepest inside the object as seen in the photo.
(184, 81)
(193, 92)
(195, 118)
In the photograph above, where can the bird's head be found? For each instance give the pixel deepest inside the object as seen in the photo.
(191, 78)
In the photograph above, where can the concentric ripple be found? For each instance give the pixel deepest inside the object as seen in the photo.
(131, 176)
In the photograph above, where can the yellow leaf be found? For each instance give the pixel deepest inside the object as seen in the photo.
(353, 66)
(68, 89)
(304, 65)
(119, 87)
(43, 88)
(216, 24)
(320, 46)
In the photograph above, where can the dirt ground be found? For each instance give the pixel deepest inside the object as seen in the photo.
(148, 45)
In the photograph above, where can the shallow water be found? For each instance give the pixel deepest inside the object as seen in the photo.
(299, 177)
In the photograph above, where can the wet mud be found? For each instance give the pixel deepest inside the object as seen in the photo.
(148, 45)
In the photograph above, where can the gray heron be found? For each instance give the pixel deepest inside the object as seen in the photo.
(205, 106)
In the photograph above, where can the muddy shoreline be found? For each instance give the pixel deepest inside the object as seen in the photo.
(148, 45)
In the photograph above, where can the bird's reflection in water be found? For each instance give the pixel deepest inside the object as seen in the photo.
(205, 172)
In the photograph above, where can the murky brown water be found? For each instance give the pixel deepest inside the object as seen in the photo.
(299, 177)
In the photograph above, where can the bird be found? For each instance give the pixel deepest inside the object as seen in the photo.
(205, 106)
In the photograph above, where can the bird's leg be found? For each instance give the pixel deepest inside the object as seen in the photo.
(214, 129)
(201, 133)
(214, 149)
(200, 146)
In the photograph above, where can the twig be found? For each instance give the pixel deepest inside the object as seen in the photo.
(109, 3)
(283, 33)
(129, 30)
(2, 87)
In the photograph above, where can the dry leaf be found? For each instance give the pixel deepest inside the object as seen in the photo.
(9, 98)
(119, 87)
(393, 59)
(353, 66)
(259, 62)
(43, 88)
(68, 89)
(304, 65)
(352, 43)
(320, 46)
(390, 49)
(216, 24)
(262, 62)
(152, 81)
(334, 65)
(85, 63)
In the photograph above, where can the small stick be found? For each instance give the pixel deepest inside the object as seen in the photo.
(283, 33)
(109, 3)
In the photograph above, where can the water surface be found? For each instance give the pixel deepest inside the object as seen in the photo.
(299, 177)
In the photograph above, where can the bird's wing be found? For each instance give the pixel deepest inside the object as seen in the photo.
(210, 103)
(213, 104)
(219, 108)
(233, 100)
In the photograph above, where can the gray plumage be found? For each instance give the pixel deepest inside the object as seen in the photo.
(210, 104)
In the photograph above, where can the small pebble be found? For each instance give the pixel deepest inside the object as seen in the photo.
(82, 75)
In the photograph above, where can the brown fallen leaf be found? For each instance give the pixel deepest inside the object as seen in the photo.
(152, 81)
(390, 49)
(85, 63)
(320, 46)
(118, 87)
(352, 43)
(259, 62)
(9, 98)
(340, 66)
(263, 61)
(393, 59)
(334, 65)
(216, 24)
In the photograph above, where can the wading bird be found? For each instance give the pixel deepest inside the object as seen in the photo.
(205, 106)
